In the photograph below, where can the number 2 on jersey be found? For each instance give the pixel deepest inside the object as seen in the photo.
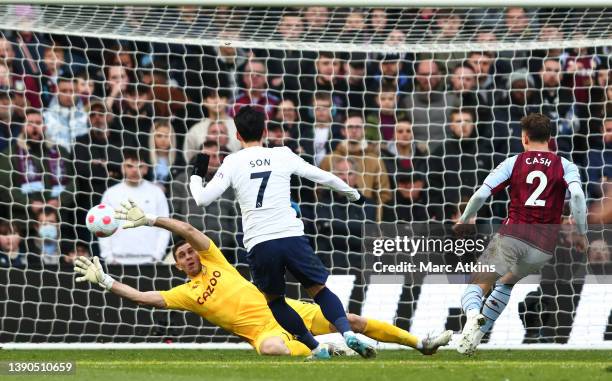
(264, 176)
(533, 199)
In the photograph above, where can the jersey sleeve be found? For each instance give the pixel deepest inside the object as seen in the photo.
(213, 252)
(571, 173)
(176, 298)
(500, 177)
(319, 176)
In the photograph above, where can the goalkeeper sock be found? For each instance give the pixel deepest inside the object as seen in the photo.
(333, 310)
(388, 333)
(472, 300)
(495, 304)
(292, 322)
(297, 348)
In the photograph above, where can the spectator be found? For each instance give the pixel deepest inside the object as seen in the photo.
(278, 136)
(288, 117)
(79, 249)
(599, 167)
(372, 177)
(340, 223)
(9, 129)
(316, 19)
(221, 64)
(136, 115)
(116, 81)
(85, 86)
(52, 68)
(506, 128)
(402, 154)
(457, 167)
(325, 78)
(287, 65)
(557, 103)
(410, 203)
(217, 132)
(40, 172)
(28, 52)
(381, 123)
(488, 88)
(599, 252)
(46, 241)
(378, 21)
(165, 162)
(136, 246)
(66, 118)
(220, 219)
(354, 29)
(463, 94)
(216, 105)
(391, 74)
(428, 105)
(355, 71)
(318, 138)
(255, 90)
(12, 246)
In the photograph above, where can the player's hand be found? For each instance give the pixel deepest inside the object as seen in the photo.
(92, 272)
(200, 165)
(581, 243)
(463, 228)
(353, 196)
(134, 216)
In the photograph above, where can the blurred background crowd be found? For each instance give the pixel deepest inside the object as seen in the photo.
(87, 120)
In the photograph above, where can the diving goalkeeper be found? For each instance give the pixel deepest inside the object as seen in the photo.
(218, 293)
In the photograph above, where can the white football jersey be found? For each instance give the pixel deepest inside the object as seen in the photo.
(261, 180)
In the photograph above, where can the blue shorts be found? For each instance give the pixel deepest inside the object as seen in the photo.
(269, 260)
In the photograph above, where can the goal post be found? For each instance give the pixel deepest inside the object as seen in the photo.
(152, 69)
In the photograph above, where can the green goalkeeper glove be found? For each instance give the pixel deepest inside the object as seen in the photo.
(134, 216)
(92, 272)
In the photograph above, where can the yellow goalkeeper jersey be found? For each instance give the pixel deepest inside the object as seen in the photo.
(222, 296)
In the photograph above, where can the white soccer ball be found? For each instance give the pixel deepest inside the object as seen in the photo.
(101, 220)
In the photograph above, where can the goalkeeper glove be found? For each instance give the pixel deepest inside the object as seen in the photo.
(92, 272)
(134, 216)
(200, 165)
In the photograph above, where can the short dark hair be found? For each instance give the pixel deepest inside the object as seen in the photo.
(327, 54)
(388, 88)
(537, 127)
(136, 154)
(176, 246)
(250, 123)
(32, 110)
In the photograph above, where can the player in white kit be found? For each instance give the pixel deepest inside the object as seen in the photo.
(273, 235)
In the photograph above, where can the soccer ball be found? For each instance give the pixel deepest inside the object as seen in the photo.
(101, 220)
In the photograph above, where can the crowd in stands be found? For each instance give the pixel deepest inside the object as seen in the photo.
(89, 120)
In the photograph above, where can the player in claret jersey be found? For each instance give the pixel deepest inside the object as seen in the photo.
(273, 235)
(538, 181)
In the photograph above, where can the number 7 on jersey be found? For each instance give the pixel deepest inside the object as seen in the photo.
(264, 176)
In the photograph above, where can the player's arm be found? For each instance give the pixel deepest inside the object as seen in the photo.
(319, 176)
(91, 271)
(204, 196)
(496, 181)
(578, 205)
(135, 217)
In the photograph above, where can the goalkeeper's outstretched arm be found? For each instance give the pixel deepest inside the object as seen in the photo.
(91, 270)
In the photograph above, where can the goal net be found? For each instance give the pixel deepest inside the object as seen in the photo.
(411, 106)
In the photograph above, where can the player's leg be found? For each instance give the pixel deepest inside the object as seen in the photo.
(310, 272)
(268, 272)
(501, 256)
(380, 331)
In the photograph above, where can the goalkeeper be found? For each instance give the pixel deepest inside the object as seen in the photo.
(218, 293)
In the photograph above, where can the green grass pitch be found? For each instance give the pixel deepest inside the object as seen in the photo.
(209, 365)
